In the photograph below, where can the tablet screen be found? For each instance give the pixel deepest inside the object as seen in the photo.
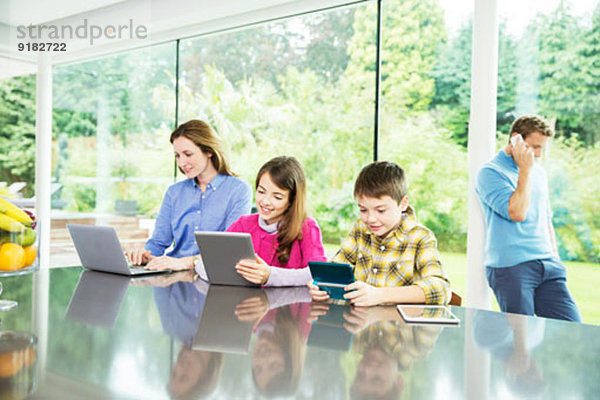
(427, 314)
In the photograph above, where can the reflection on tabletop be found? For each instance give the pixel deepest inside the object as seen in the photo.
(511, 339)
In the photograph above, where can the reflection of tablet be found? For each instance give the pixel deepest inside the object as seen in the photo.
(422, 314)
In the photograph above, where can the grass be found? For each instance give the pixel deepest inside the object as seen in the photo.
(581, 280)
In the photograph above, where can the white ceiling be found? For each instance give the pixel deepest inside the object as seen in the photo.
(164, 20)
(25, 12)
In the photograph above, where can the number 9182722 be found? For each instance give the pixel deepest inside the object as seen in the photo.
(42, 46)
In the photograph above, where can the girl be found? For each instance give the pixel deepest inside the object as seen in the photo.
(209, 200)
(285, 239)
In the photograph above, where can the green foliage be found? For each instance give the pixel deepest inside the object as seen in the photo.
(305, 87)
(17, 130)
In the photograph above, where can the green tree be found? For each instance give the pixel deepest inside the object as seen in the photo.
(17, 130)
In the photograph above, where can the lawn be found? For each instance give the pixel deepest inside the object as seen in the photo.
(581, 279)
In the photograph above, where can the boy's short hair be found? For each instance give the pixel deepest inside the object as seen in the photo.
(381, 178)
(527, 124)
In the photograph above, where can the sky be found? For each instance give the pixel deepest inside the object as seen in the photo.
(516, 13)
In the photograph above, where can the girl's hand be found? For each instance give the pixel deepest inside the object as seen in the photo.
(139, 256)
(315, 293)
(164, 263)
(362, 294)
(255, 271)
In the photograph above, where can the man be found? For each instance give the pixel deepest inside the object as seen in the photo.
(522, 263)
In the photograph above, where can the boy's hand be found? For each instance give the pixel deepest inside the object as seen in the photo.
(255, 271)
(362, 294)
(315, 293)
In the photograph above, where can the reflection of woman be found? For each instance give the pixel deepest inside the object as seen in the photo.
(278, 355)
(195, 373)
(209, 200)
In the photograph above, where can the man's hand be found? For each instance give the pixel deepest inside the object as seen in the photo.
(523, 155)
(255, 271)
(315, 293)
(362, 294)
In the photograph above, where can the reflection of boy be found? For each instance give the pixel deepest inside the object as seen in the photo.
(388, 348)
(396, 259)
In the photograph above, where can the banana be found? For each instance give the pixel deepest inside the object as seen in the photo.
(10, 224)
(8, 208)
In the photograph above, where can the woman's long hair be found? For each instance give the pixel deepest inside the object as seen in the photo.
(203, 136)
(287, 173)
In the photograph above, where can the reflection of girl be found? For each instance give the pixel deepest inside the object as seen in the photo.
(284, 238)
(278, 355)
(209, 200)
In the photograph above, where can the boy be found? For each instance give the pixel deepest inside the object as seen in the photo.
(395, 258)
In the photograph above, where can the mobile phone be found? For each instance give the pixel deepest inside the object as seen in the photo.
(515, 138)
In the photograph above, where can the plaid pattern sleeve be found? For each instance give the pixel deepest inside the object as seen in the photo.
(428, 271)
(403, 342)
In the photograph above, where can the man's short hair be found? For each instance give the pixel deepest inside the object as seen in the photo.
(381, 178)
(527, 124)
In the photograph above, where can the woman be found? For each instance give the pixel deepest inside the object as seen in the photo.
(285, 239)
(210, 199)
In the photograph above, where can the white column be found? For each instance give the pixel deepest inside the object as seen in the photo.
(482, 128)
(43, 154)
(39, 318)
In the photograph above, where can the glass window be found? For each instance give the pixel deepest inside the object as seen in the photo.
(112, 156)
(550, 52)
(425, 83)
(302, 87)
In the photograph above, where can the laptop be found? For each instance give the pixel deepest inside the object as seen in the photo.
(219, 329)
(220, 252)
(99, 249)
(97, 298)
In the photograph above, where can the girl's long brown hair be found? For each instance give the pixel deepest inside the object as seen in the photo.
(287, 173)
(207, 140)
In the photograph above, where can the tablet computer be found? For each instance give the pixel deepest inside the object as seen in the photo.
(331, 277)
(220, 252)
(425, 314)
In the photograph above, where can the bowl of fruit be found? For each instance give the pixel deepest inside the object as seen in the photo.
(17, 364)
(18, 240)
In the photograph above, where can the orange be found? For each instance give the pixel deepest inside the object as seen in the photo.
(12, 257)
(30, 255)
(10, 363)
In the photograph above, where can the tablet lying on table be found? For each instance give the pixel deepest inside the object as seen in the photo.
(331, 277)
(424, 314)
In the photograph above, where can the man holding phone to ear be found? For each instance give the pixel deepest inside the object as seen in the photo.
(521, 256)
